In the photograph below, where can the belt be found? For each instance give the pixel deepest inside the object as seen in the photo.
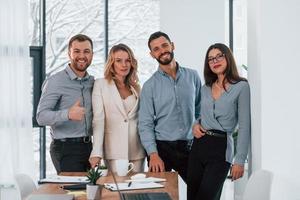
(86, 139)
(216, 133)
(176, 142)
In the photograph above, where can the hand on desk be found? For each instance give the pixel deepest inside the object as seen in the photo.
(156, 164)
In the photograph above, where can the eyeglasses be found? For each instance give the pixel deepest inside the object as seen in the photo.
(216, 59)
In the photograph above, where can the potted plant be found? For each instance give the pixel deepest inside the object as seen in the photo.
(104, 170)
(93, 190)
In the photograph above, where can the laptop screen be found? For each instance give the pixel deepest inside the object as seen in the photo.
(146, 196)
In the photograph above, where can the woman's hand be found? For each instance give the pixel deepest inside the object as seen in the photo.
(237, 171)
(198, 131)
(94, 161)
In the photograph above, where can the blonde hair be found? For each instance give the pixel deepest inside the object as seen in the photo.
(109, 72)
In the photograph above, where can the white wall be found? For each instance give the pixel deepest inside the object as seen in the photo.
(193, 25)
(273, 54)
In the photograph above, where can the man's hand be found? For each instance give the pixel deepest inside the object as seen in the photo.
(237, 171)
(94, 161)
(198, 131)
(76, 112)
(156, 164)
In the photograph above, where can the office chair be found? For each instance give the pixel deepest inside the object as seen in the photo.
(25, 185)
(259, 186)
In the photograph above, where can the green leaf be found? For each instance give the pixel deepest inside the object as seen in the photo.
(93, 175)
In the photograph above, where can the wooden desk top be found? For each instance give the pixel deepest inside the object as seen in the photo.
(171, 185)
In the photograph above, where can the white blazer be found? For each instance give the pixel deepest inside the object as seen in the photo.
(115, 133)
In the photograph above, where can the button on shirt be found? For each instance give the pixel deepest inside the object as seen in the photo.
(59, 93)
(168, 107)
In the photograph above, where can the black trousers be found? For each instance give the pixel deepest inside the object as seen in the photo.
(175, 155)
(207, 169)
(70, 156)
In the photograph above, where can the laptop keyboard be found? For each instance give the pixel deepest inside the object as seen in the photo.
(146, 196)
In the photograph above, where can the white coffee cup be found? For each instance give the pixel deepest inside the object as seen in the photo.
(123, 167)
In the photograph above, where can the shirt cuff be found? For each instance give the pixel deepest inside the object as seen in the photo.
(64, 115)
(151, 149)
(197, 121)
(96, 154)
(240, 160)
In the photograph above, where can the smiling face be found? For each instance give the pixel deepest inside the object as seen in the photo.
(162, 50)
(81, 55)
(216, 61)
(121, 64)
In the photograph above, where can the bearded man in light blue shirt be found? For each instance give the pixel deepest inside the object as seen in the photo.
(66, 106)
(169, 105)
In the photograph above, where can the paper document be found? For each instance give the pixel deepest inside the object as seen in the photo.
(133, 186)
(146, 180)
(64, 179)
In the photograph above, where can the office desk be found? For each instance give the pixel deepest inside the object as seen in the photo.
(170, 186)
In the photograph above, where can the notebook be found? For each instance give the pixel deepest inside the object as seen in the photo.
(50, 197)
(133, 186)
(64, 179)
(81, 186)
(139, 196)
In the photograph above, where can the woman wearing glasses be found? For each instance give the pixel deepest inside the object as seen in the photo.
(225, 104)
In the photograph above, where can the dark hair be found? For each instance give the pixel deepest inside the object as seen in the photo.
(230, 74)
(156, 35)
(80, 38)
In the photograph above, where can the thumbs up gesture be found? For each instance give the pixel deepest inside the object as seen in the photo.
(76, 112)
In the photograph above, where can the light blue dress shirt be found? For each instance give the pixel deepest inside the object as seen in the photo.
(169, 107)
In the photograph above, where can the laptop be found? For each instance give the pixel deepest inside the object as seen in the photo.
(146, 196)
(50, 197)
(141, 195)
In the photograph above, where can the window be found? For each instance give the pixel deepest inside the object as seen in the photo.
(129, 21)
(240, 34)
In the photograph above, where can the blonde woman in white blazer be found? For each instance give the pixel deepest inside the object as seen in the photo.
(115, 102)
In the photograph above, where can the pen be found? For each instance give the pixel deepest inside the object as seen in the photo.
(129, 184)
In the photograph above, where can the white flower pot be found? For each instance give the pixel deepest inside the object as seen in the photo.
(93, 192)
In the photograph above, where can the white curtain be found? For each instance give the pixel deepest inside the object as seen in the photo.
(16, 141)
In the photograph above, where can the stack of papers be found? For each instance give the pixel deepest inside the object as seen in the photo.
(146, 180)
(64, 179)
(133, 186)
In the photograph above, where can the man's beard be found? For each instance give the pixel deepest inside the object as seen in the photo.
(77, 66)
(167, 61)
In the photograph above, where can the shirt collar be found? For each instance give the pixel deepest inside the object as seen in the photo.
(179, 70)
(73, 76)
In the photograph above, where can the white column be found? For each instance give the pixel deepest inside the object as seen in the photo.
(273, 54)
